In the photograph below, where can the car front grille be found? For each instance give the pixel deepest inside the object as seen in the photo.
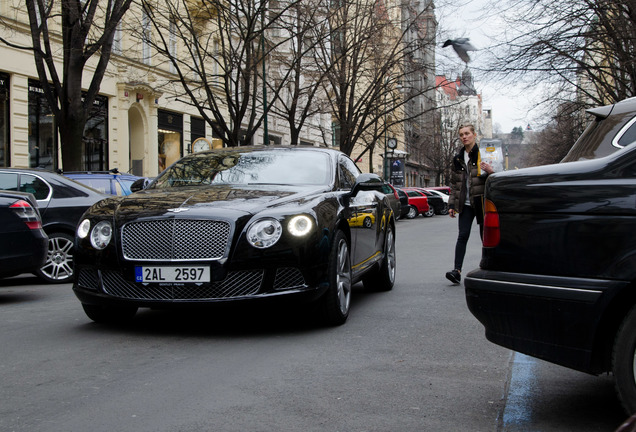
(175, 240)
(236, 284)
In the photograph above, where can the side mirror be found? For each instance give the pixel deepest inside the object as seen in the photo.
(367, 181)
(139, 184)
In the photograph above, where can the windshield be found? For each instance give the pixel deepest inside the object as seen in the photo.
(250, 168)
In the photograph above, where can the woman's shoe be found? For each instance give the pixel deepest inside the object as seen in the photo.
(454, 276)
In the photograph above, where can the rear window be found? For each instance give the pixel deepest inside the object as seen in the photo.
(8, 181)
(627, 135)
(603, 137)
(35, 186)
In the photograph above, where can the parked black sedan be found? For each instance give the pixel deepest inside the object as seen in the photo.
(61, 202)
(235, 224)
(24, 242)
(558, 270)
(404, 203)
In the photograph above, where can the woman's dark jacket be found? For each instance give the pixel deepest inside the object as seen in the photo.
(458, 183)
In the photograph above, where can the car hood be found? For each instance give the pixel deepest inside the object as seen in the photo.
(216, 201)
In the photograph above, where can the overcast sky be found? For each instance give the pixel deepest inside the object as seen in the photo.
(479, 22)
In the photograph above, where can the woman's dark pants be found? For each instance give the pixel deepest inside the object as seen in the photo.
(465, 224)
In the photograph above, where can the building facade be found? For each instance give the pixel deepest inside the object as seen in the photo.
(139, 124)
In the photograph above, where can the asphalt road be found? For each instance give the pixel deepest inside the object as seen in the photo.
(413, 359)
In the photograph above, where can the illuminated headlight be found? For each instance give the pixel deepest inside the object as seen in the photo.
(101, 235)
(83, 229)
(300, 225)
(264, 233)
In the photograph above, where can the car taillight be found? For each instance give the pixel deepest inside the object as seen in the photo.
(27, 213)
(491, 225)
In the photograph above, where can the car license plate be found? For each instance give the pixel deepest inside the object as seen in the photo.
(182, 274)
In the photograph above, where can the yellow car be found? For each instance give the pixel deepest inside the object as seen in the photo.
(365, 220)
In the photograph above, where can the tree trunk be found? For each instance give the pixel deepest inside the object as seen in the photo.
(72, 140)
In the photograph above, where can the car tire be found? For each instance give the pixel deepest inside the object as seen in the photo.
(109, 314)
(430, 212)
(383, 278)
(58, 267)
(444, 209)
(624, 362)
(336, 302)
(412, 214)
(367, 222)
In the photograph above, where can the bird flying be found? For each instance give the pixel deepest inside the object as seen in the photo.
(461, 47)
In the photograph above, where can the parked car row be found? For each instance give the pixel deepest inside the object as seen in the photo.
(60, 202)
(258, 208)
(422, 201)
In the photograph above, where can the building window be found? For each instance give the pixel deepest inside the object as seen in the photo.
(42, 136)
(117, 39)
(197, 128)
(216, 75)
(170, 138)
(274, 140)
(243, 138)
(43, 144)
(172, 45)
(96, 137)
(145, 38)
(335, 134)
(5, 151)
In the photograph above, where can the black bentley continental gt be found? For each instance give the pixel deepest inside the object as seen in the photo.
(238, 223)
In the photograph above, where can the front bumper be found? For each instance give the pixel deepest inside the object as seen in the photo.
(553, 318)
(111, 287)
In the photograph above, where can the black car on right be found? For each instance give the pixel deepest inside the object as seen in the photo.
(557, 278)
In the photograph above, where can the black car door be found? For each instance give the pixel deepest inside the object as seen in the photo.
(363, 217)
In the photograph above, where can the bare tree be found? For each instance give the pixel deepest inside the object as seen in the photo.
(301, 97)
(86, 29)
(439, 155)
(555, 140)
(579, 51)
(368, 85)
(221, 69)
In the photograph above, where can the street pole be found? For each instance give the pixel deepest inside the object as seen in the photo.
(265, 132)
(386, 132)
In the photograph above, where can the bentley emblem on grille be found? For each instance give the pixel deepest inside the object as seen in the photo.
(178, 210)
